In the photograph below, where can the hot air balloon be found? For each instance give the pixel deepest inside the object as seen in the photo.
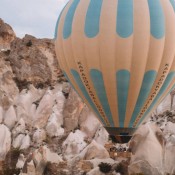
(119, 57)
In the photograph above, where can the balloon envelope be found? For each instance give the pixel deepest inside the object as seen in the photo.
(118, 55)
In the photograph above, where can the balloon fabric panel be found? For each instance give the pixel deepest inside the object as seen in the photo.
(126, 51)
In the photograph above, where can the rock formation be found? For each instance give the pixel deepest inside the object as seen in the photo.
(7, 35)
(47, 129)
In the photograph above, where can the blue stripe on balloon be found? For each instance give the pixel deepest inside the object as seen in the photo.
(58, 21)
(173, 4)
(122, 79)
(147, 84)
(92, 21)
(125, 21)
(98, 82)
(85, 93)
(67, 30)
(164, 87)
(157, 18)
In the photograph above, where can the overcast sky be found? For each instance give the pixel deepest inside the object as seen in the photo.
(35, 17)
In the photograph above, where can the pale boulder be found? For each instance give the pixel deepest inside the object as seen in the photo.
(19, 128)
(143, 167)
(147, 145)
(10, 117)
(25, 142)
(21, 161)
(42, 156)
(169, 159)
(90, 125)
(74, 144)
(101, 136)
(164, 105)
(44, 110)
(170, 128)
(72, 109)
(60, 100)
(95, 150)
(26, 103)
(5, 141)
(39, 136)
(53, 127)
(1, 114)
(17, 142)
(51, 156)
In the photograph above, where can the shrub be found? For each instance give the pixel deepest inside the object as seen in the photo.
(105, 167)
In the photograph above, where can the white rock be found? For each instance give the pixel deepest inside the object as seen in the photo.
(51, 156)
(172, 139)
(101, 136)
(21, 161)
(5, 141)
(25, 142)
(32, 111)
(1, 114)
(74, 144)
(170, 128)
(58, 107)
(60, 132)
(17, 142)
(90, 125)
(72, 109)
(143, 167)
(95, 150)
(147, 145)
(44, 110)
(27, 97)
(19, 128)
(10, 117)
(169, 159)
(39, 135)
(42, 156)
(164, 105)
(53, 127)
(57, 114)
(60, 100)
(25, 106)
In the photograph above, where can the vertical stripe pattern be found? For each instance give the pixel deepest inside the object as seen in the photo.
(121, 66)
(167, 82)
(157, 18)
(97, 79)
(125, 18)
(147, 84)
(57, 23)
(69, 19)
(84, 91)
(92, 21)
(122, 80)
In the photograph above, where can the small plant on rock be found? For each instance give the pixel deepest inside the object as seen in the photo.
(29, 43)
(105, 167)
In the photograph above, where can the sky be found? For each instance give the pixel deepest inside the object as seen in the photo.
(34, 17)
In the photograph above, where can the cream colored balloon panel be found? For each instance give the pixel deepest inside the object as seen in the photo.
(165, 73)
(86, 38)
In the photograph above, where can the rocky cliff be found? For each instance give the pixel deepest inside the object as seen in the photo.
(47, 129)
